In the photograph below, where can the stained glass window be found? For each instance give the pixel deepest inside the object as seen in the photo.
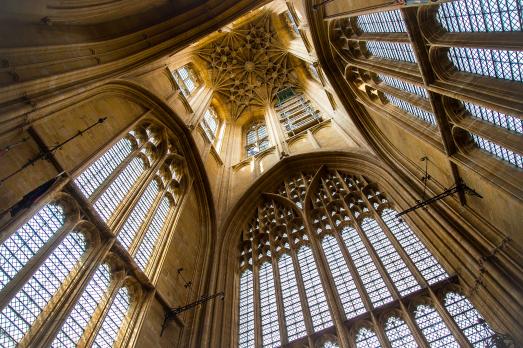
(415, 111)
(185, 80)
(257, 139)
(114, 319)
(404, 86)
(94, 294)
(398, 334)
(210, 123)
(269, 310)
(291, 299)
(99, 171)
(382, 22)
(501, 64)
(119, 188)
(347, 290)
(246, 328)
(391, 50)
(23, 244)
(481, 15)
(498, 151)
(366, 338)
(318, 306)
(433, 327)
(145, 250)
(508, 122)
(369, 274)
(23, 309)
(138, 215)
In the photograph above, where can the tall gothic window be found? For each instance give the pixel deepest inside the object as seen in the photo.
(210, 123)
(41, 259)
(356, 258)
(296, 112)
(186, 79)
(256, 138)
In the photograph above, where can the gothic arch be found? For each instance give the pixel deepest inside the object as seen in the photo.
(440, 228)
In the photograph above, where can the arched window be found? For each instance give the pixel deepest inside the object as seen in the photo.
(357, 258)
(391, 50)
(186, 79)
(256, 139)
(296, 112)
(114, 319)
(210, 123)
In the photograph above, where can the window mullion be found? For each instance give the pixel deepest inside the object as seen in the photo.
(411, 323)
(258, 340)
(279, 298)
(301, 289)
(97, 319)
(110, 179)
(28, 270)
(379, 331)
(449, 321)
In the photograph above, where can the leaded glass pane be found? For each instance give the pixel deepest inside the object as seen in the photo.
(102, 168)
(76, 322)
(210, 124)
(498, 151)
(318, 306)
(119, 188)
(404, 86)
(370, 276)
(269, 310)
(398, 334)
(468, 319)
(113, 320)
(138, 215)
(262, 132)
(347, 291)
(246, 315)
(396, 268)
(251, 137)
(145, 250)
(291, 299)
(427, 264)
(264, 145)
(23, 244)
(501, 64)
(382, 22)
(497, 118)
(415, 111)
(20, 313)
(433, 327)
(330, 345)
(481, 15)
(391, 50)
(366, 338)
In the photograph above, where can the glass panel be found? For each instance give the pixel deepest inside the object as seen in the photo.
(382, 22)
(262, 132)
(415, 111)
(498, 151)
(502, 64)
(210, 124)
(330, 345)
(113, 320)
(469, 320)
(396, 268)
(253, 150)
(314, 71)
(497, 118)
(77, 321)
(138, 215)
(20, 313)
(152, 234)
(369, 274)
(433, 327)
(418, 253)
(264, 145)
(269, 310)
(404, 86)
(99, 171)
(391, 50)
(291, 299)
(246, 316)
(251, 137)
(292, 22)
(318, 306)
(399, 334)
(481, 15)
(22, 245)
(115, 193)
(347, 291)
(366, 338)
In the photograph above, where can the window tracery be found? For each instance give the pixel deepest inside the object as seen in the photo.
(370, 260)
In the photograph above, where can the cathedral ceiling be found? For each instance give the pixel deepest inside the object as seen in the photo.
(248, 64)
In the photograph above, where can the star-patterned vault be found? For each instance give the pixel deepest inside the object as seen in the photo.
(248, 64)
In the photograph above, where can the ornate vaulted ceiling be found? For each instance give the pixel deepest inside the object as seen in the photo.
(248, 64)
